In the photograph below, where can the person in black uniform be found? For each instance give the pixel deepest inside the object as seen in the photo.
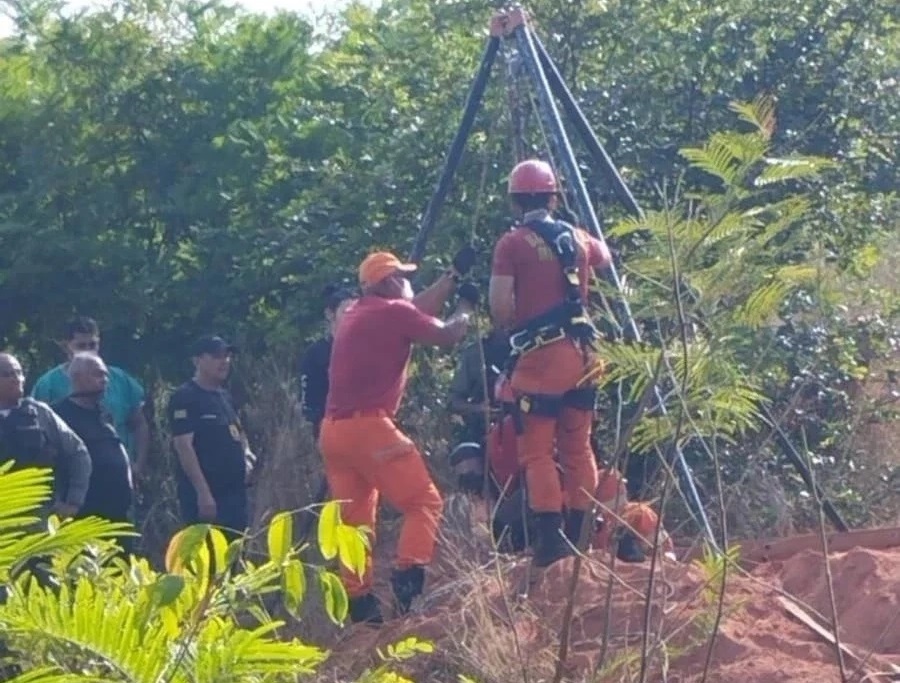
(314, 364)
(214, 458)
(467, 397)
(110, 490)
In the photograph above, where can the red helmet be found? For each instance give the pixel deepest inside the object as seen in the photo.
(532, 176)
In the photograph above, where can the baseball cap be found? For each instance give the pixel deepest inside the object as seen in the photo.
(211, 344)
(379, 265)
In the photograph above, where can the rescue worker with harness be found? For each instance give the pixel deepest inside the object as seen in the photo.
(630, 537)
(538, 291)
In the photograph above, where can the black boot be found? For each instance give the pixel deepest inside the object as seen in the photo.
(629, 548)
(549, 544)
(574, 521)
(365, 609)
(407, 584)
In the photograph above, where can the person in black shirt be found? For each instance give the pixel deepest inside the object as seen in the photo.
(467, 387)
(110, 490)
(214, 459)
(314, 364)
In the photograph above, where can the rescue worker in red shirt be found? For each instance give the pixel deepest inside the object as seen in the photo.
(538, 291)
(364, 453)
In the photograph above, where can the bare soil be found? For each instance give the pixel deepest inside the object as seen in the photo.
(499, 621)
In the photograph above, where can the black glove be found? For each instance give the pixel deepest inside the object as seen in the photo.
(464, 259)
(467, 291)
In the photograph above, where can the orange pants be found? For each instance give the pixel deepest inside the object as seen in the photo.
(554, 370)
(367, 456)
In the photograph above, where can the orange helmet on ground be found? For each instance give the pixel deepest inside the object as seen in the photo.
(643, 520)
(532, 176)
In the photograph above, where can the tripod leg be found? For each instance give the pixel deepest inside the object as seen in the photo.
(583, 128)
(454, 155)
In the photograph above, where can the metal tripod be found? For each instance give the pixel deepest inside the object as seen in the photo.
(545, 78)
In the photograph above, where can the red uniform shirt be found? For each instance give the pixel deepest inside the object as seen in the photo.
(370, 354)
(539, 284)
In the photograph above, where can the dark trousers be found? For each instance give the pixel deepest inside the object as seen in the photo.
(113, 509)
(231, 510)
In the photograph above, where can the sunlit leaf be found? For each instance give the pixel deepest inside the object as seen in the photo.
(280, 536)
(329, 520)
(336, 602)
(185, 546)
(293, 583)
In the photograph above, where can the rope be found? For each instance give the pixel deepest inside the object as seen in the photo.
(548, 148)
(476, 217)
(513, 96)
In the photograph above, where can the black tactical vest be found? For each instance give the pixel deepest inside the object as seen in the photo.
(21, 437)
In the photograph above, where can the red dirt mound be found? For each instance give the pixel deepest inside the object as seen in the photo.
(499, 621)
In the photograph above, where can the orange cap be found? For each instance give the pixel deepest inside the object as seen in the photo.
(379, 265)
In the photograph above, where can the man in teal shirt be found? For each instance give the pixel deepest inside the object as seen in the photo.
(123, 398)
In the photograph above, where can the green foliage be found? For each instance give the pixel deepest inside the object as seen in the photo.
(175, 169)
(728, 263)
(723, 279)
(23, 492)
(93, 615)
(394, 654)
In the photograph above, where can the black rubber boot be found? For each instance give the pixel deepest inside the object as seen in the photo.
(572, 529)
(365, 609)
(407, 584)
(629, 548)
(549, 544)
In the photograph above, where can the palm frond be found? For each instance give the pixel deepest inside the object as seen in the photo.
(745, 148)
(651, 431)
(23, 492)
(101, 622)
(708, 233)
(760, 114)
(70, 536)
(715, 160)
(779, 170)
(627, 226)
(630, 363)
(223, 652)
(778, 217)
(51, 675)
(763, 303)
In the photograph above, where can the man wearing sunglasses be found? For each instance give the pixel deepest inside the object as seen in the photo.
(123, 398)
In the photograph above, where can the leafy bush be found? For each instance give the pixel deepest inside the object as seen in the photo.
(76, 610)
(736, 286)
